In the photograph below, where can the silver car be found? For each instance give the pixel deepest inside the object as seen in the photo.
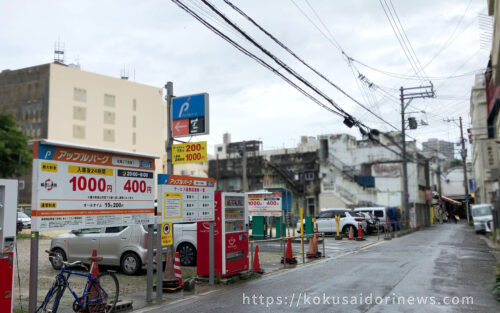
(481, 215)
(124, 246)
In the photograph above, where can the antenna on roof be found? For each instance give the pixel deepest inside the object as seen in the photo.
(59, 52)
(124, 73)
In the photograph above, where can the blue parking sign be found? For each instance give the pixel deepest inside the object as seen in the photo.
(189, 106)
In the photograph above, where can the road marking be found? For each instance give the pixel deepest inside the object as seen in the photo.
(371, 245)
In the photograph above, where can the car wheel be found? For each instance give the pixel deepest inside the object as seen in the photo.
(187, 254)
(130, 263)
(58, 257)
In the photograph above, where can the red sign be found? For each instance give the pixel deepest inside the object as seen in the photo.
(180, 127)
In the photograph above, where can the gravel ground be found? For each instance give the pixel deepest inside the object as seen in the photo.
(46, 274)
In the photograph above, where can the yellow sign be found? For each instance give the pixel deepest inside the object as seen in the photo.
(76, 169)
(49, 167)
(190, 152)
(166, 233)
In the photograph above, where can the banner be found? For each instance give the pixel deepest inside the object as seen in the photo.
(264, 204)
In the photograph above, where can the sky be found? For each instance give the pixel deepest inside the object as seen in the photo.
(156, 41)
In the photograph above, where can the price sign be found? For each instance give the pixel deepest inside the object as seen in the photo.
(191, 152)
(82, 187)
(265, 204)
(184, 199)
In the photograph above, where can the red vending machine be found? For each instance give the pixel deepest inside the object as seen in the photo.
(230, 236)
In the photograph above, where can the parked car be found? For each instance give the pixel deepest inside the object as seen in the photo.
(326, 221)
(481, 214)
(386, 216)
(24, 219)
(124, 246)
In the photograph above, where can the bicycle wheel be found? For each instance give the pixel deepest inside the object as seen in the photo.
(106, 294)
(51, 302)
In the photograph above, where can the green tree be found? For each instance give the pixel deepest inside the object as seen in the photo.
(15, 157)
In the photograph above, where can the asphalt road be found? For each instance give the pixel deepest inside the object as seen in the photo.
(442, 265)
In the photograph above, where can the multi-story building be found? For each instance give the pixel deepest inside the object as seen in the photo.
(63, 103)
(433, 146)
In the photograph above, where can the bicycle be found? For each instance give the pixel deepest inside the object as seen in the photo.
(99, 295)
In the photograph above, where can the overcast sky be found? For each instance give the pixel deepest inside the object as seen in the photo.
(156, 42)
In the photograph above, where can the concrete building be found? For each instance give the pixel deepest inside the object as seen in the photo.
(63, 103)
(382, 170)
(433, 146)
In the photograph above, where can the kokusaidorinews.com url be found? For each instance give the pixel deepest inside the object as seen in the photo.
(305, 299)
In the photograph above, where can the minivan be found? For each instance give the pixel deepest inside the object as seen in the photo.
(481, 214)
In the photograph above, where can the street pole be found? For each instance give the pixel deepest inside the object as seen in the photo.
(169, 275)
(33, 284)
(464, 161)
(244, 167)
(415, 92)
(406, 205)
(438, 172)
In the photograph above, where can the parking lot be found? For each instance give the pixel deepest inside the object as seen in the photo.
(270, 257)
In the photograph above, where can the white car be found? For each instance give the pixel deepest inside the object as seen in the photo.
(124, 246)
(25, 219)
(481, 215)
(326, 223)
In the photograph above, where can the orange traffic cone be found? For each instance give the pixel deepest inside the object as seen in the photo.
(93, 290)
(360, 234)
(256, 263)
(351, 234)
(289, 258)
(177, 268)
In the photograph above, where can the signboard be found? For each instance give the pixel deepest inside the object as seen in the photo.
(190, 115)
(78, 187)
(264, 204)
(191, 152)
(184, 199)
(166, 233)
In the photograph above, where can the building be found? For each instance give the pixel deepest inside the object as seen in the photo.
(63, 103)
(482, 146)
(433, 146)
(378, 170)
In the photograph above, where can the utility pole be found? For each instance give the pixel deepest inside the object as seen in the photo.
(415, 92)
(463, 152)
(438, 172)
(244, 166)
(169, 279)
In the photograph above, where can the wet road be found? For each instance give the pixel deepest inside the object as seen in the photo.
(442, 265)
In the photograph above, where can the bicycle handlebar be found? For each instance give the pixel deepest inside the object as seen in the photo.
(66, 264)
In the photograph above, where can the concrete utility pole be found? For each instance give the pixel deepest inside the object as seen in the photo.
(464, 161)
(244, 167)
(416, 92)
(169, 276)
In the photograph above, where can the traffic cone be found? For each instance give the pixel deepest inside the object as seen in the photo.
(256, 263)
(289, 258)
(316, 250)
(94, 291)
(351, 234)
(360, 234)
(177, 268)
(94, 267)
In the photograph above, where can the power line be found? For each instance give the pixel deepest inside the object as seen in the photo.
(253, 56)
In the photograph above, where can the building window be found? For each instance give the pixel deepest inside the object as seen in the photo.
(79, 94)
(109, 117)
(79, 131)
(79, 113)
(109, 100)
(134, 138)
(134, 105)
(134, 121)
(109, 135)
(311, 205)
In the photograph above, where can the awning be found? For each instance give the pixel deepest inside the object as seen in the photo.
(455, 202)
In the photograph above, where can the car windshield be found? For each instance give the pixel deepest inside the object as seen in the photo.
(481, 211)
(22, 215)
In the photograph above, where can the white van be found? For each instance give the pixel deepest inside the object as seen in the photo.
(481, 214)
(378, 212)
